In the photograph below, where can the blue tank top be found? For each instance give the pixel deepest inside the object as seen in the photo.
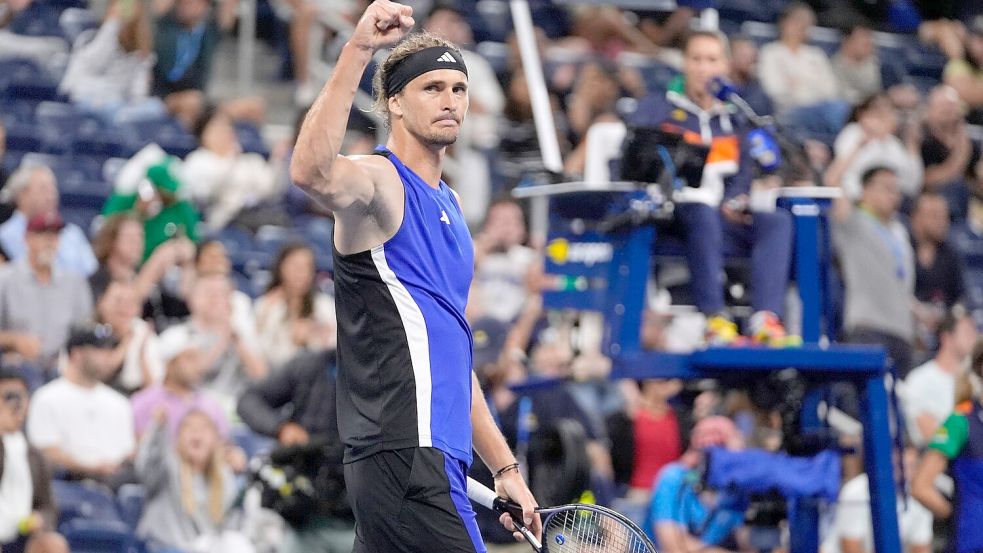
(404, 346)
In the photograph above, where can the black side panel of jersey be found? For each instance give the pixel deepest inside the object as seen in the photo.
(376, 385)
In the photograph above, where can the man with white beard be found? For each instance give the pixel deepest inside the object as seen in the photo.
(39, 302)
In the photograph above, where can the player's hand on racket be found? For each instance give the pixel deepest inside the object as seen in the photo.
(512, 486)
(383, 24)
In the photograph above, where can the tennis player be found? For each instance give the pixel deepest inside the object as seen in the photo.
(409, 406)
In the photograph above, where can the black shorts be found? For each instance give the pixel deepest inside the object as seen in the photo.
(412, 500)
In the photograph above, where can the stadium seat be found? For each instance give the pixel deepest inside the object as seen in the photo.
(250, 442)
(82, 217)
(761, 33)
(271, 238)
(39, 19)
(17, 111)
(323, 257)
(235, 240)
(53, 162)
(99, 536)
(11, 160)
(244, 284)
(250, 260)
(251, 139)
(93, 139)
(314, 229)
(130, 500)
(78, 191)
(18, 70)
(496, 54)
(37, 89)
(23, 137)
(73, 21)
(743, 10)
(491, 19)
(84, 500)
(922, 61)
(111, 168)
(827, 39)
(58, 123)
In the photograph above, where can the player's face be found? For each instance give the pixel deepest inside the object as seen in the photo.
(703, 60)
(432, 106)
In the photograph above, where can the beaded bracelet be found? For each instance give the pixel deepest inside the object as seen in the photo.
(506, 468)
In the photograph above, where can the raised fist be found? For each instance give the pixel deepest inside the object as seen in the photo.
(383, 24)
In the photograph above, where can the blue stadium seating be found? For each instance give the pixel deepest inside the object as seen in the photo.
(11, 160)
(490, 20)
(130, 500)
(83, 500)
(271, 239)
(496, 54)
(111, 168)
(99, 536)
(250, 442)
(40, 18)
(17, 111)
(744, 10)
(94, 139)
(24, 137)
(923, 61)
(251, 139)
(235, 239)
(80, 216)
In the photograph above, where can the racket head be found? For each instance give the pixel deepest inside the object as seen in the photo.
(582, 528)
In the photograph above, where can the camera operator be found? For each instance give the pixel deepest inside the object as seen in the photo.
(296, 405)
(715, 216)
(685, 517)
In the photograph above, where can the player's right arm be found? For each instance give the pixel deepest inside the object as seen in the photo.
(333, 180)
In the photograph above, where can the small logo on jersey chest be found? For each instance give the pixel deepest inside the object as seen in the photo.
(444, 217)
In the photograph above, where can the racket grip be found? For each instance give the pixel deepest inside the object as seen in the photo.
(484, 496)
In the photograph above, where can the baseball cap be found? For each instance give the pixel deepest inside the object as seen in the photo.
(178, 339)
(163, 176)
(45, 222)
(91, 334)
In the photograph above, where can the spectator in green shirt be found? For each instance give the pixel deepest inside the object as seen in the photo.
(160, 205)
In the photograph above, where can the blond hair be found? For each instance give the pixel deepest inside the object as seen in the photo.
(214, 476)
(413, 43)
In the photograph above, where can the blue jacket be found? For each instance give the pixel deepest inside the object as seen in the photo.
(729, 168)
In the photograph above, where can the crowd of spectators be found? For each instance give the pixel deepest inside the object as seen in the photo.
(167, 320)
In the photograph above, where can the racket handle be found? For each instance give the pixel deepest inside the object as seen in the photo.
(481, 494)
(484, 496)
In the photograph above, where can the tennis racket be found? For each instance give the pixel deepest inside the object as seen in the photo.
(574, 528)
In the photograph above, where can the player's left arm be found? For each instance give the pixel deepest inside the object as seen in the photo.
(496, 454)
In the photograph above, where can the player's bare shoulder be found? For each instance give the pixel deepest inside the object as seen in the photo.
(375, 220)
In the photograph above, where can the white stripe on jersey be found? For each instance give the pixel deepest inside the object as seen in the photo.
(417, 339)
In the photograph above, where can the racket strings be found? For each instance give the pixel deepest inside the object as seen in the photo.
(587, 531)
